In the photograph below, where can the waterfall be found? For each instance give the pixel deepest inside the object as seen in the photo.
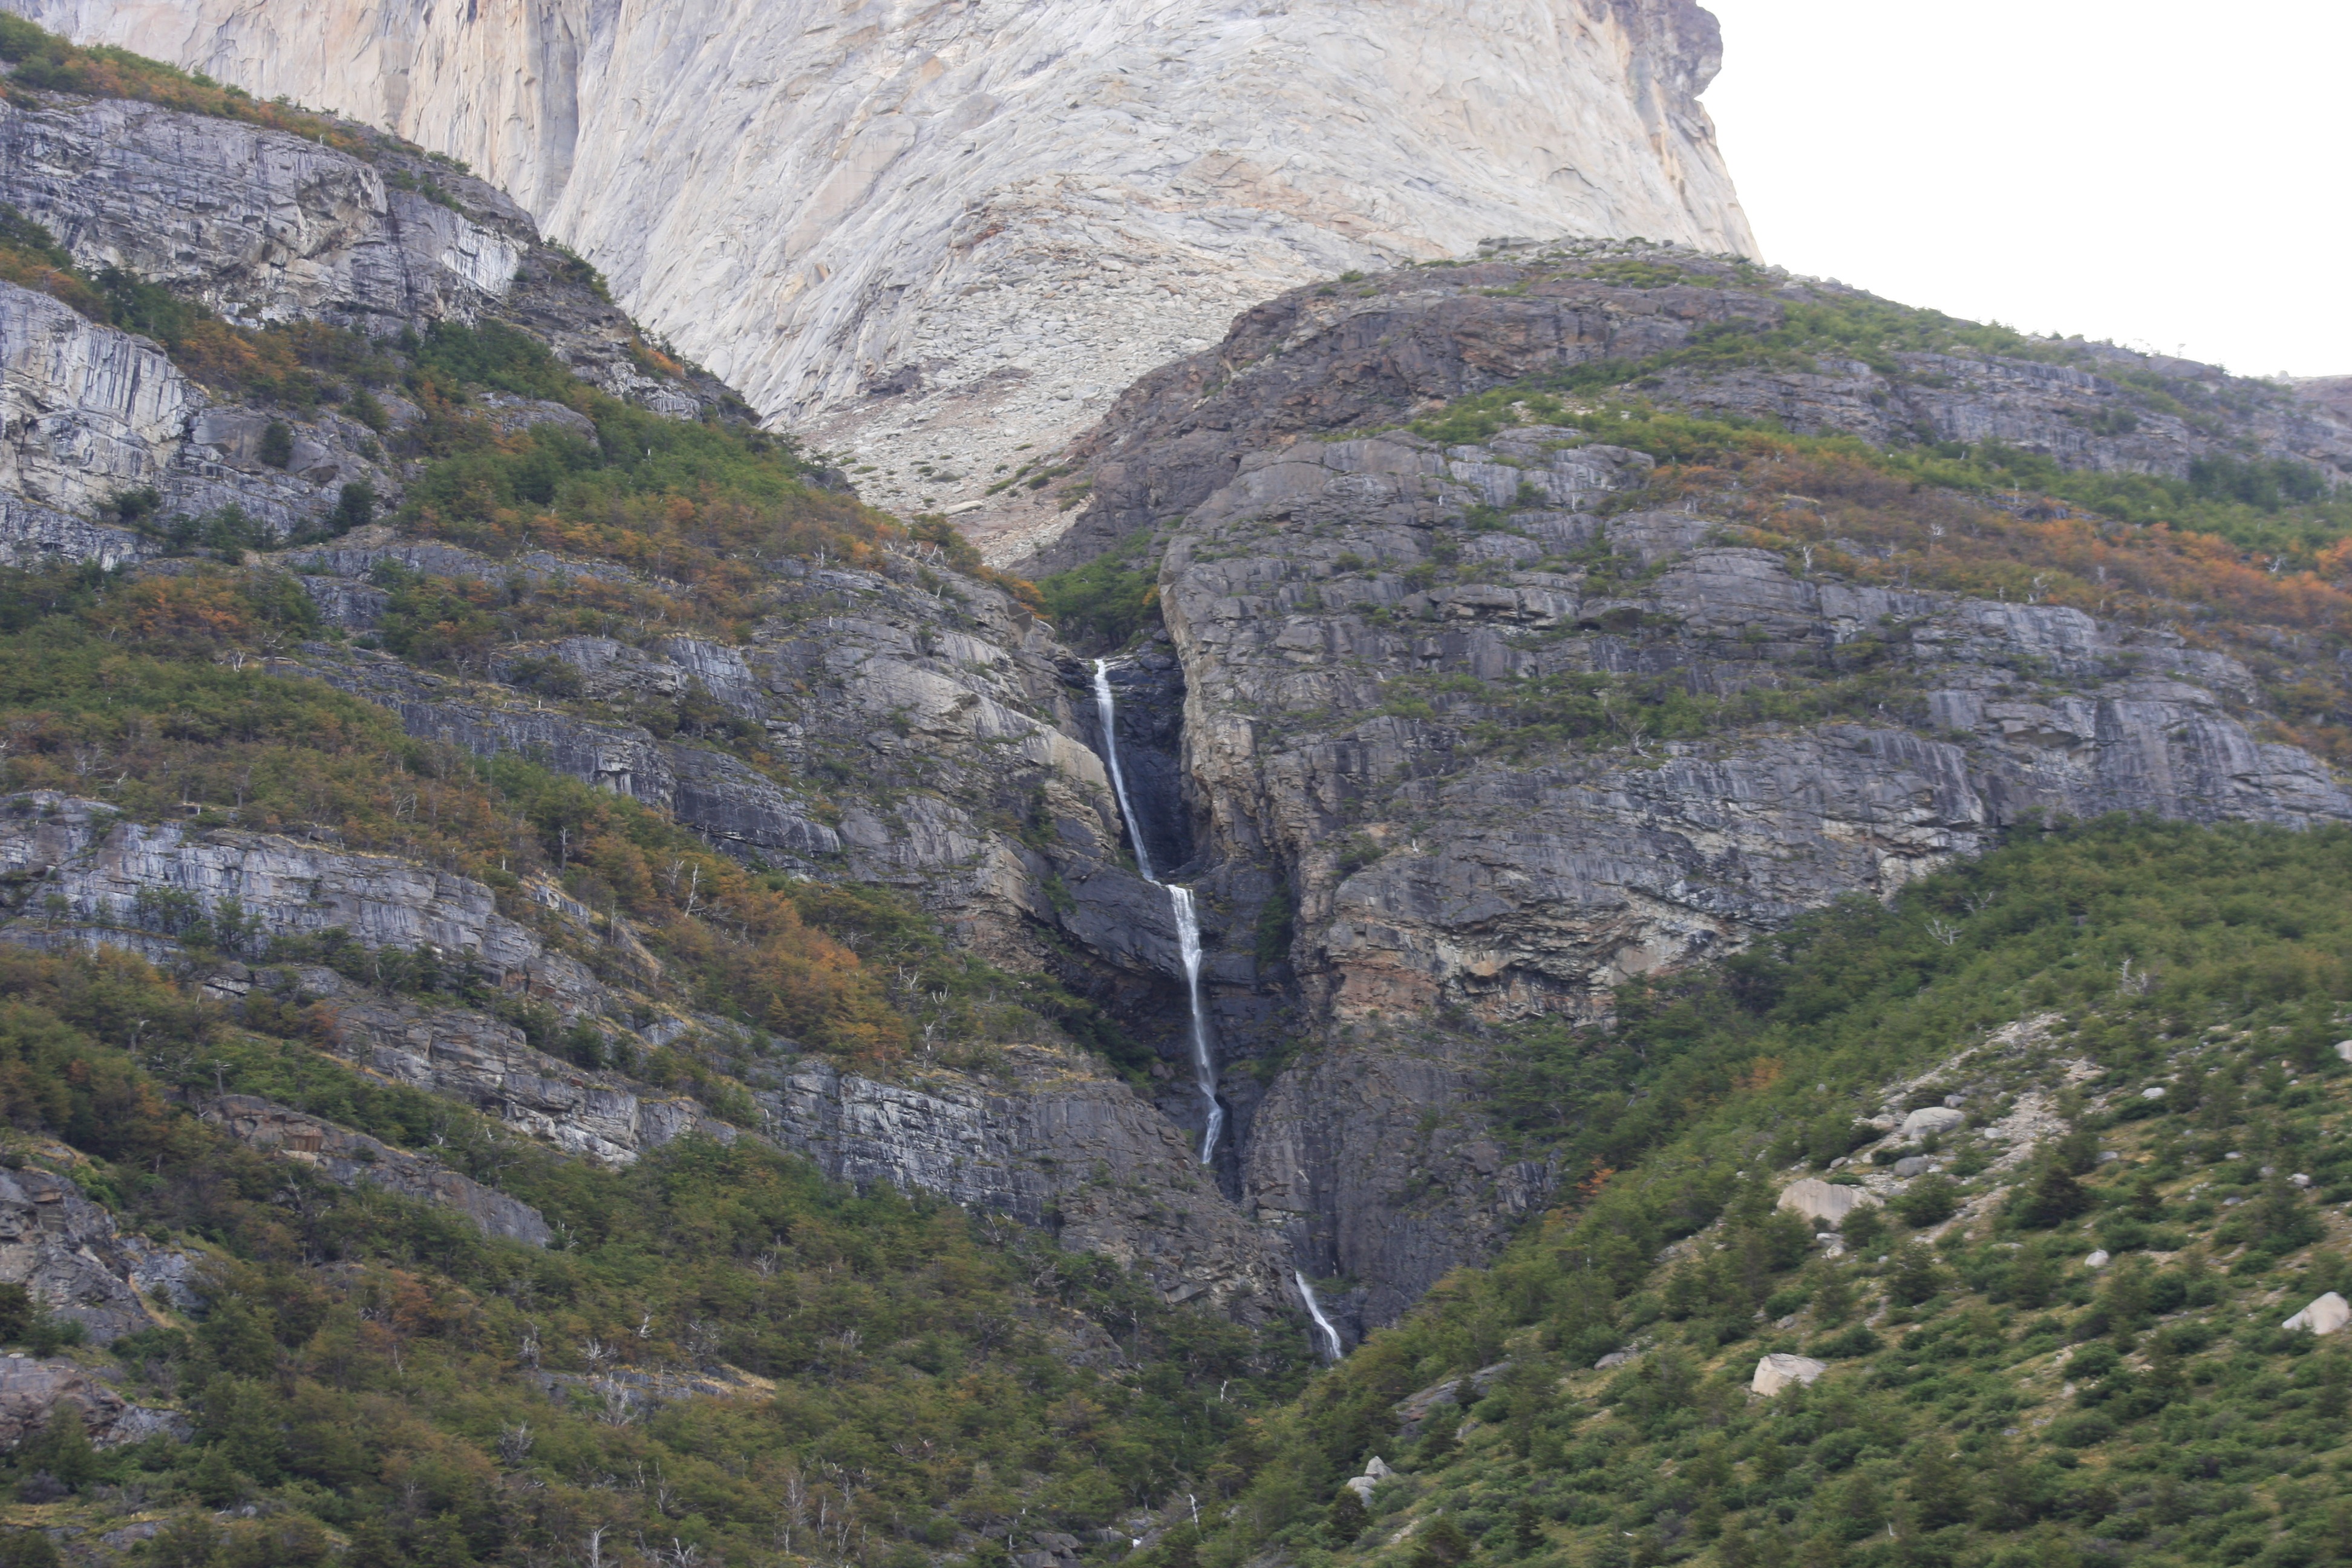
(1204, 1068)
(1315, 1311)
(1188, 922)
(1107, 710)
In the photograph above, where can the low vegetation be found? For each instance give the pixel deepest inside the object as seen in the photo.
(723, 1358)
(1990, 1398)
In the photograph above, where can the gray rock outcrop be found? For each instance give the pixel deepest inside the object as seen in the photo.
(1364, 356)
(1054, 1143)
(67, 1254)
(32, 1391)
(352, 1158)
(1825, 1204)
(260, 225)
(1358, 623)
(1779, 1373)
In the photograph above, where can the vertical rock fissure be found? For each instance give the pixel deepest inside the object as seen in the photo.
(1180, 900)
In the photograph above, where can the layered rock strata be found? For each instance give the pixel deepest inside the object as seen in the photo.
(944, 234)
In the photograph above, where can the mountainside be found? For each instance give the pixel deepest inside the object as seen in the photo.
(571, 989)
(2002, 1225)
(996, 213)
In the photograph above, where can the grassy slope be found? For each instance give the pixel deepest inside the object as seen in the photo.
(1989, 1399)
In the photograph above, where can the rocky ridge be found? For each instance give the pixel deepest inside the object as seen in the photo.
(1149, 171)
(1675, 327)
(1337, 689)
(261, 227)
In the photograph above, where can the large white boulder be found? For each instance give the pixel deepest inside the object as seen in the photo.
(1781, 1370)
(2324, 1316)
(1825, 1202)
(1929, 1120)
(1374, 1474)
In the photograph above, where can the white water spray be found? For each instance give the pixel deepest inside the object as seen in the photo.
(1315, 1311)
(1188, 922)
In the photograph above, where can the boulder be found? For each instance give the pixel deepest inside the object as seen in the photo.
(2324, 1316)
(1825, 1202)
(1781, 1370)
(2097, 1260)
(1930, 1120)
(1374, 1474)
(1913, 1165)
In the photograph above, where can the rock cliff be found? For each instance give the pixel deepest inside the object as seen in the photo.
(940, 235)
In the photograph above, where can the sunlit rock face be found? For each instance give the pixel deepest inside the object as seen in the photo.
(939, 233)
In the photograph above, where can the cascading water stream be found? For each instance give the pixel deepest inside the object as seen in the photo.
(1188, 923)
(1315, 1311)
(1204, 1068)
(1107, 709)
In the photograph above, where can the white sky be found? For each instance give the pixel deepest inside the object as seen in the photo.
(2168, 175)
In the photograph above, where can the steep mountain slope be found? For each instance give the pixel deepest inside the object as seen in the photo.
(2082, 1108)
(936, 235)
(507, 856)
(1560, 684)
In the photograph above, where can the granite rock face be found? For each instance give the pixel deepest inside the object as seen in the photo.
(1144, 171)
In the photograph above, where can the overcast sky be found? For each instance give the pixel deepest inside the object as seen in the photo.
(2166, 175)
